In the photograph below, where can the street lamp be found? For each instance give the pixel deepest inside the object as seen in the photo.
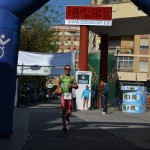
(76, 52)
(117, 59)
(27, 32)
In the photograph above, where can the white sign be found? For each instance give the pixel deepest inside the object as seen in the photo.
(44, 64)
(83, 78)
(89, 22)
(3, 42)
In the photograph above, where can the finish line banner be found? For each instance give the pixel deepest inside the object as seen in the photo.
(45, 64)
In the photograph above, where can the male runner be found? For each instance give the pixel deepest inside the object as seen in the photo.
(66, 82)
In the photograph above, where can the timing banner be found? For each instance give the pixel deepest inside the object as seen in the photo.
(88, 15)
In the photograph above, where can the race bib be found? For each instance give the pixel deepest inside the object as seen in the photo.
(67, 96)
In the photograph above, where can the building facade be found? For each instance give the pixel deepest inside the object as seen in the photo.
(69, 37)
(69, 40)
(132, 52)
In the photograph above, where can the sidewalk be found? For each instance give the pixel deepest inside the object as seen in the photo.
(88, 130)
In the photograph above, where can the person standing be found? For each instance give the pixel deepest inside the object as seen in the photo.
(92, 97)
(74, 99)
(86, 94)
(66, 83)
(96, 97)
(104, 95)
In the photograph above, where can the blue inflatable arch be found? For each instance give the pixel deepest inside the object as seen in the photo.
(12, 13)
(143, 5)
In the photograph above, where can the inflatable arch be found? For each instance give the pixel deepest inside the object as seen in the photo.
(12, 13)
(143, 5)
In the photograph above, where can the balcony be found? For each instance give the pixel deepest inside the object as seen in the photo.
(121, 51)
(125, 51)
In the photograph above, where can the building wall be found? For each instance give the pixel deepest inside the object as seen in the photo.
(129, 46)
(94, 42)
(121, 46)
(69, 40)
(120, 8)
(69, 37)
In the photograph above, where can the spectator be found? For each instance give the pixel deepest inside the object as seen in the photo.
(74, 99)
(104, 96)
(92, 97)
(95, 99)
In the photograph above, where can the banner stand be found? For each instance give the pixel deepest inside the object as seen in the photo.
(83, 78)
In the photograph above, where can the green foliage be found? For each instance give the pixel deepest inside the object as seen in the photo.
(37, 33)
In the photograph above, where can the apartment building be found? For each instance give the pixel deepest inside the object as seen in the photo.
(69, 40)
(69, 37)
(132, 51)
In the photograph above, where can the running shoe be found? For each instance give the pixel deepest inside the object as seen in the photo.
(64, 129)
(104, 113)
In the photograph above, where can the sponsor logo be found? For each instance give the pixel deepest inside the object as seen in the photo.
(89, 22)
(3, 42)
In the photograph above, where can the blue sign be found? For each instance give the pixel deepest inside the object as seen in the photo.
(134, 99)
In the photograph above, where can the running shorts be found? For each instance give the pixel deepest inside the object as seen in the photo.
(65, 103)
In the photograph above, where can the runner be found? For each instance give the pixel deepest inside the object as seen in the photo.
(66, 83)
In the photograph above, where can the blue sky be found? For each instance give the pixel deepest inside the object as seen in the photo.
(60, 5)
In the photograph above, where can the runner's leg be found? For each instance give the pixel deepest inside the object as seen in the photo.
(69, 110)
(64, 111)
(84, 104)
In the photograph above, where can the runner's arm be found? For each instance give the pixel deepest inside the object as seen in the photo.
(58, 84)
(75, 85)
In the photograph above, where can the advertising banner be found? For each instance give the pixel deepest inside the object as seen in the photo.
(94, 67)
(50, 64)
(134, 99)
(83, 79)
(9, 43)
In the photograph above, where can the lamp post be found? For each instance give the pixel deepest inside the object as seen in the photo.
(117, 59)
(27, 41)
(75, 60)
(76, 54)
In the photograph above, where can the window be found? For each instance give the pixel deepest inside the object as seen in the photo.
(143, 66)
(144, 43)
(124, 63)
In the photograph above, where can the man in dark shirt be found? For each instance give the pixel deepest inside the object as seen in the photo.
(104, 96)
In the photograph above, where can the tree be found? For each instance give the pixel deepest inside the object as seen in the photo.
(37, 33)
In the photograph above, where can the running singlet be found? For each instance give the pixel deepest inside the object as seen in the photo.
(64, 83)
